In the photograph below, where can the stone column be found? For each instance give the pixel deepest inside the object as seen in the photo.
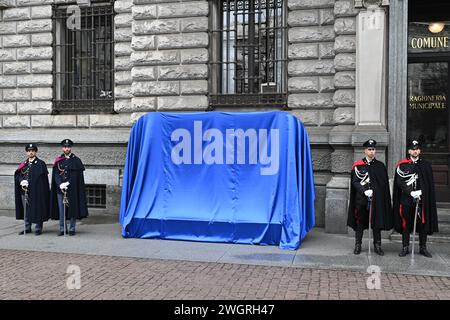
(370, 104)
(311, 83)
(122, 53)
(371, 61)
(169, 55)
(343, 117)
(398, 67)
(371, 78)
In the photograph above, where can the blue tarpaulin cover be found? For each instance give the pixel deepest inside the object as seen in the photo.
(219, 177)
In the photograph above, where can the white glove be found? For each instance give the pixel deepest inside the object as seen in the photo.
(64, 185)
(24, 183)
(368, 193)
(416, 194)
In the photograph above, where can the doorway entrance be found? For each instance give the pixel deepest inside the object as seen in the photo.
(428, 116)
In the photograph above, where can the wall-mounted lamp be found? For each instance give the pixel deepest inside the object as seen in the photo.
(436, 27)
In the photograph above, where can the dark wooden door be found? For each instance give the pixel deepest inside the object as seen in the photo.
(429, 117)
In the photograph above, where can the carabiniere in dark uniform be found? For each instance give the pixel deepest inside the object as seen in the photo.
(68, 197)
(414, 187)
(369, 193)
(32, 191)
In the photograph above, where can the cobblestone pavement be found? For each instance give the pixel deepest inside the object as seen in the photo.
(43, 275)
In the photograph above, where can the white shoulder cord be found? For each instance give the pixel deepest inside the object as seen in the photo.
(409, 178)
(363, 177)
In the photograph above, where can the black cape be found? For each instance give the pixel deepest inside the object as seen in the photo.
(38, 194)
(404, 206)
(76, 191)
(381, 200)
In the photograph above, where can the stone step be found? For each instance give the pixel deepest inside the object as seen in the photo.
(435, 238)
(444, 228)
(443, 216)
(444, 205)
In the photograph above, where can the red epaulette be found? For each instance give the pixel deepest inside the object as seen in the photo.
(21, 165)
(403, 161)
(358, 163)
(58, 159)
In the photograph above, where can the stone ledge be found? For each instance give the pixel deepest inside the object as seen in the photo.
(341, 135)
(85, 136)
(182, 103)
(361, 134)
(26, 3)
(339, 182)
(64, 121)
(318, 135)
(310, 4)
(321, 179)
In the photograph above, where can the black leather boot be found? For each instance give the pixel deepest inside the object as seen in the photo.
(358, 239)
(404, 252)
(357, 248)
(377, 249)
(423, 251)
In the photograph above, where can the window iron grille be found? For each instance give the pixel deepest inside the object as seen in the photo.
(96, 195)
(248, 61)
(83, 74)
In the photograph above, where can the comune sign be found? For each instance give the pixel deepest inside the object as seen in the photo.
(219, 177)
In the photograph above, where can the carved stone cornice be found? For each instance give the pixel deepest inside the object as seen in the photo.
(371, 4)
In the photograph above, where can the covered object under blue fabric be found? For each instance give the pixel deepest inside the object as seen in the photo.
(220, 177)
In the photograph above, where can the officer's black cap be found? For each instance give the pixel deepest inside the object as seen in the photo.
(67, 143)
(413, 145)
(31, 146)
(370, 144)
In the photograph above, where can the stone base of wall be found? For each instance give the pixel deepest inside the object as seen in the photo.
(102, 152)
(7, 208)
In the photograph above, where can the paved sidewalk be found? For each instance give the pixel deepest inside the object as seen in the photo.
(43, 275)
(97, 236)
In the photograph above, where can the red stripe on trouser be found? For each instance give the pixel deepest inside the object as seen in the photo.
(357, 216)
(403, 217)
(423, 214)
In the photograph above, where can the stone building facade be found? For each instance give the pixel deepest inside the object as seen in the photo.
(337, 86)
